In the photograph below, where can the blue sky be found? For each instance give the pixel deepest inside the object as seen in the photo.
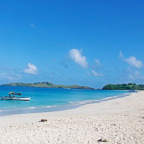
(82, 42)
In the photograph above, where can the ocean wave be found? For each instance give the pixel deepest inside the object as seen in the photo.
(23, 110)
(99, 100)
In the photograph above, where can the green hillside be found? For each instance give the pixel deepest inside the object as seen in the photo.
(46, 85)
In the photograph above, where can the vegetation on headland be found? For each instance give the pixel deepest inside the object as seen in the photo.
(129, 86)
(46, 85)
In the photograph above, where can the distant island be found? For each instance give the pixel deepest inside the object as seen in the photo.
(129, 86)
(46, 85)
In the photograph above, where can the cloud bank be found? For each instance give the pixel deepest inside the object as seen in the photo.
(76, 56)
(31, 69)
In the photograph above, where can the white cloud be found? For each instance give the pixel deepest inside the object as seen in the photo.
(77, 57)
(89, 74)
(121, 55)
(32, 25)
(31, 69)
(132, 61)
(10, 77)
(135, 75)
(131, 77)
(97, 61)
(94, 73)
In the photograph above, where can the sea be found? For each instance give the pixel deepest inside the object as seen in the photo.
(52, 99)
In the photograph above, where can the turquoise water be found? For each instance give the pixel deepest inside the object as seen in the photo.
(49, 99)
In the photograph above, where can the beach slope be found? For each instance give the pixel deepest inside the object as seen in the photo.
(116, 121)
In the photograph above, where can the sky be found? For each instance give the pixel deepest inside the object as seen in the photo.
(83, 42)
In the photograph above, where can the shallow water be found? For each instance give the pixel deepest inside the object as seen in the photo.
(50, 99)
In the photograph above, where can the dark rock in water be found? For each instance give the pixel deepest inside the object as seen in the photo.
(102, 140)
(43, 120)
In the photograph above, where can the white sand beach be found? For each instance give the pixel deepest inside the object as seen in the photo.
(118, 121)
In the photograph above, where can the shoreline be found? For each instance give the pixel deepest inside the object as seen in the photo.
(56, 108)
(119, 120)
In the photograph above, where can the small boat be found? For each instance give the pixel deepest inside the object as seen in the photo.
(12, 96)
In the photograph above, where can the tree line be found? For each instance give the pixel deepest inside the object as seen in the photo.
(129, 86)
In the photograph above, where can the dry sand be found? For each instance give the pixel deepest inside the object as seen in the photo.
(119, 121)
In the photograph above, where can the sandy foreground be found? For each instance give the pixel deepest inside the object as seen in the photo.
(118, 121)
